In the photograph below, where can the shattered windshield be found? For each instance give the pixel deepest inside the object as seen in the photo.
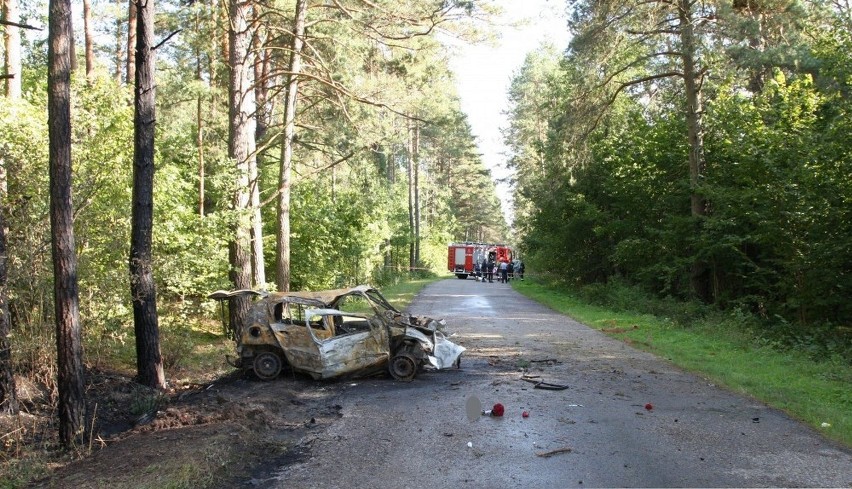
(354, 303)
(364, 302)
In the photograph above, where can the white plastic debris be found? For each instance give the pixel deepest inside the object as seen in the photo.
(470, 444)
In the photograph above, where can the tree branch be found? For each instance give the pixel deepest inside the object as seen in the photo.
(166, 40)
(22, 26)
(622, 87)
(635, 62)
(653, 31)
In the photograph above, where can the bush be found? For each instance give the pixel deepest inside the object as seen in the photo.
(621, 296)
(821, 342)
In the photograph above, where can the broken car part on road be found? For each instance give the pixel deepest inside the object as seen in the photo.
(540, 384)
(336, 333)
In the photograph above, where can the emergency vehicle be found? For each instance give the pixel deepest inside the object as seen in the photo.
(462, 258)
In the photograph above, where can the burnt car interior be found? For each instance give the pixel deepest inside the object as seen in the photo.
(286, 313)
(293, 314)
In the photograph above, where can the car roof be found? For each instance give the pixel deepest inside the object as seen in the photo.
(326, 296)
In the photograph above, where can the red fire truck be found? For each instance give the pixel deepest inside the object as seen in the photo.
(463, 257)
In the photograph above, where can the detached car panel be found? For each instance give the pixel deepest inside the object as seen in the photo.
(334, 333)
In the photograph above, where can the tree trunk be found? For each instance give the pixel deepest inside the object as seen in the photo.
(199, 127)
(224, 42)
(199, 144)
(390, 168)
(699, 277)
(119, 51)
(260, 68)
(257, 260)
(143, 292)
(411, 257)
(282, 272)
(261, 87)
(131, 43)
(8, 393)
(12, 39)
(416, 157)
(71, 404)
(241, 149)
(87, 37)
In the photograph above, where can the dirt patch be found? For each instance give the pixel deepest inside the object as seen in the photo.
(211, 435)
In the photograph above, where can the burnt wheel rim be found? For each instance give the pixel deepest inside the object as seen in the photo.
(267, 365)
(403, 367)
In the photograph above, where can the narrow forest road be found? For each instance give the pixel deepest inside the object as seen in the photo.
(597, 433)
(375, 433)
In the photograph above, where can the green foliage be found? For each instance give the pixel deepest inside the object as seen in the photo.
(190, 251)
(350, 208)
(23, 145)
(780, 223)
(103, 124)
(604, 183)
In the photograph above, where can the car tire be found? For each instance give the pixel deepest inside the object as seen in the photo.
(267, 365)
(403, 367)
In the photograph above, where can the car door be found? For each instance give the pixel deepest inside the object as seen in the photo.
(358, 345)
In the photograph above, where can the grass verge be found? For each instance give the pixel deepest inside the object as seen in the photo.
(815, 391)
(400, 294)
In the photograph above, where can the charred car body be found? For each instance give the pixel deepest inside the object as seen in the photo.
(335, 333)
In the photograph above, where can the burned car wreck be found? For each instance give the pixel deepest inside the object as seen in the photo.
(337, 333)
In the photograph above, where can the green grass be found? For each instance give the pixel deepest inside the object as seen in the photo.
(16, 472)
(813, 391)
(402, 293)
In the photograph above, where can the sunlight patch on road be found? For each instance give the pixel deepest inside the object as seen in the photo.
(452, 295)
(528, 318)
(483, 336)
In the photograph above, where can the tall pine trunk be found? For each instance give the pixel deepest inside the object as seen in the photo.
(87, 38)
(241, 149)
(69, 350)
(12, 39)
(415, 144)
(131, 43)
(119, 46)
(282, 271)
(8, 393)
(410, 171)
(261, 67)
(699, 276)
(258, 266)
(143, 292)
(199, 126)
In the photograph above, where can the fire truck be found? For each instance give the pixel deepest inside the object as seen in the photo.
(463, 257)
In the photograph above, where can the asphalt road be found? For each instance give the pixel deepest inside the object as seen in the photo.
(595, 433)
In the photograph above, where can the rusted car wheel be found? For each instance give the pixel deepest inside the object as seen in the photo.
(403, 367)
(267, 365)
